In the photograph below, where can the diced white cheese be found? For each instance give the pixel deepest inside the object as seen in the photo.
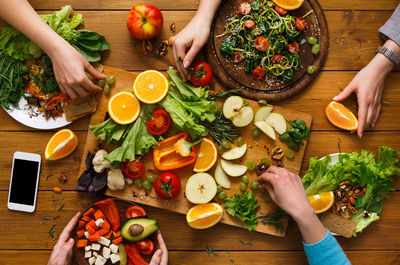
(87, 248)
(114, 248)
(99, 222)
(104, 241)
(86, 233)
(96, 246)
(114, 258)
(100, 260)
(92, 260)
(106, 252)
(88, 254)
(95, 254)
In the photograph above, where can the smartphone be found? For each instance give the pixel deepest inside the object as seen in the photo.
(24, 182)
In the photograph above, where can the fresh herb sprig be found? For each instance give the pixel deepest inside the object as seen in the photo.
(210, 250)
(223, 94)
(273, 218)
(295, 135)
(221, 128)
(49, 218)
(229, 257)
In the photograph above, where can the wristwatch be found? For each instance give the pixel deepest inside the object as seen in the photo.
(391, 55)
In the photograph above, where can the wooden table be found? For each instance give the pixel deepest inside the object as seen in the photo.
(353, 28)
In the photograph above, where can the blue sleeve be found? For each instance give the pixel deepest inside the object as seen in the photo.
(327, 252)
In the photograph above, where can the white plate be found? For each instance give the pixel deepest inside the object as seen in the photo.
(24, 115)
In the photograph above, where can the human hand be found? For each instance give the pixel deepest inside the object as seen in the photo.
(62, 251)
(287, 191)
(69, 68)
(160, 257)
(368, 84)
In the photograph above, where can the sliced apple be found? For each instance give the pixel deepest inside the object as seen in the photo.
(231, 107)
(200, 188)
(266, 128)
(232, 169)
(262, 114)
(277, 121)
(221, 178)
(235, 153)
(243, 117)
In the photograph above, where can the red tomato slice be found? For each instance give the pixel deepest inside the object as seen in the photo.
(132, 169)
(249, 24)
(145, 246)
(201, 74)
(261, 43)
(281, 11)
(160, 122)
(277, 59)
(258, 72)
(237, 57)
(300, 23)
(293, 47)
(135, 211)
(244, 8)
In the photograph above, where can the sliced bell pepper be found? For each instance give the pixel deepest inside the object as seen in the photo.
(110, 210)
(134, 255)
(166, 157)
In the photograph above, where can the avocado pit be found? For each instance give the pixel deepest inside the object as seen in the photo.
(136, 229)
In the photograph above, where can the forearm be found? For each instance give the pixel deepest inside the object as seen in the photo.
(206, 10)
(311, 228)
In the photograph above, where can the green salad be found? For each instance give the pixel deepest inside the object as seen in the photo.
(266, 39)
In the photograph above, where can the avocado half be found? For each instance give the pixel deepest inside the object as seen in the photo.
(138, 228)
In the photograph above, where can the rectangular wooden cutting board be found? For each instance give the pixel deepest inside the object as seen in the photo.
(257, 149)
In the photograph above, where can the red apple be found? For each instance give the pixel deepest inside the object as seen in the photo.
(145, 21)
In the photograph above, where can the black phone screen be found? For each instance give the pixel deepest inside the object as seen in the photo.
(23, 182)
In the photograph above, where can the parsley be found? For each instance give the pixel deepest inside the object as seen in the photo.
(297, 132)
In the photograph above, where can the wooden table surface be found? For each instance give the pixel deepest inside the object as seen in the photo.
(353, 32)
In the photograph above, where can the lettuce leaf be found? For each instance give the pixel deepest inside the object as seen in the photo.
(363, 222)
(187, 91)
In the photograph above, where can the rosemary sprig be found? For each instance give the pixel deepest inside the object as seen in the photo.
(53, 200)
(229, 257)
(221, 128)
(273, 218)
(339, 142)
(52, 232)
(49, 218)
(229, 92)
(48, 176)
(209, 250)
(245, 242)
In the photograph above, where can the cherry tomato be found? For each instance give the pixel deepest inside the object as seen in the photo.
(160, 122)
(167, 186)
(249, 24)
(145, 246)
(300, 23)
(281, 11)
(258, 72)
(293, 47)
(261, 43)
(237, 57)
(132, 169)
(277, 59)
(201, 74)
(135, 211)
(244, 8)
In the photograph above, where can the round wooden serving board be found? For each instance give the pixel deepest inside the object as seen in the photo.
(233, 76)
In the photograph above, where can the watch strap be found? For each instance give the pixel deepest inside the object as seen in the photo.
(391, 55)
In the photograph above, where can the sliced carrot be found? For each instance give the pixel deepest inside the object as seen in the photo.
(117, 234)
(80, 233)
(81, 224)
(95, 237)
(89, 212)
(108, 234)
(106, 225)
(91, 230)
(102, 231)
(99, 214)
(86, 218)
(117, 240)
(81, 243)
(92, 223)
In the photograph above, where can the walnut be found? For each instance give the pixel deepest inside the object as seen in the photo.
(147, 47)
(62, 177)
(172, 27)
(261, 168)
(277, 153)
(162, 50)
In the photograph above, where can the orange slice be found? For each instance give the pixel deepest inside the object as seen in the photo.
(150, 86)
(322, 202)
(123, 107)
(289, 4)
(340, 116)
(206, 156)
(61, 144)
(204, 215)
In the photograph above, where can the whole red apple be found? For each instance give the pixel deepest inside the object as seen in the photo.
(145, 21)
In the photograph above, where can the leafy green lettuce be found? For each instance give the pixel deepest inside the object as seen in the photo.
(363, 222)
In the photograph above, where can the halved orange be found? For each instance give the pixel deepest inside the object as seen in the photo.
(61, 144)
(289, 4)
(322, 202)
(203, 216)
(206, 156)
(340, 116)
(123, 107)
(150, 86)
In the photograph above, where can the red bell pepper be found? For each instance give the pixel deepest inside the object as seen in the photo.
(145, 246)
(110, 210)
(134, 255)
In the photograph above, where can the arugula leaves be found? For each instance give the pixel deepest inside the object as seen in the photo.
(297, 132)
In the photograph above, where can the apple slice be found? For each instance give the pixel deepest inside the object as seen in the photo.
(235, 153)
(262, 114)
(243, 117)
(266, 128)
(277, 121)
(231, 107)
(232, 169)
(221, 178)
(200, 188)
